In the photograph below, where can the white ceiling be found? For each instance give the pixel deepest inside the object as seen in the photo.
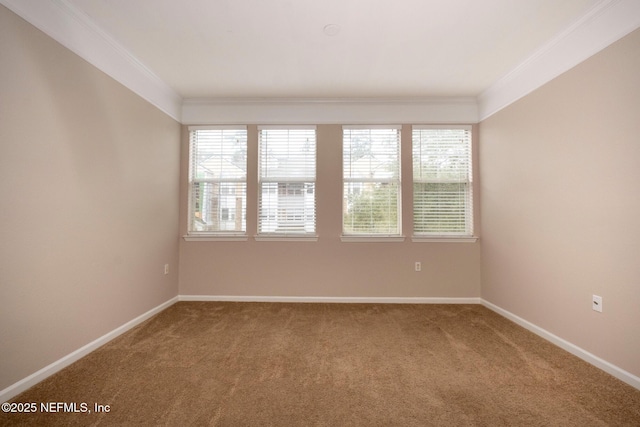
(277, 48)
(271, 61)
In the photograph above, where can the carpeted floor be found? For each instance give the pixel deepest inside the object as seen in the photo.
(270, 364)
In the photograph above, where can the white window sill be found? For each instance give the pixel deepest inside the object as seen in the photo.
(444, 239)
(215, 237)
(371, 239)
(286, 238)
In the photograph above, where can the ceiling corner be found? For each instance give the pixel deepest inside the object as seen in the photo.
(602, 25)
(75, 30)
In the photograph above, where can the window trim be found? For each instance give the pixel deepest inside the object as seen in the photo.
(372, 238)
(276, 237)
(444, 239)
(215, 237)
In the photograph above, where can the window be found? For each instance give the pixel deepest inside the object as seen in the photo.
(287, 174)
(217, 180)
(371, 173)
(442, 181)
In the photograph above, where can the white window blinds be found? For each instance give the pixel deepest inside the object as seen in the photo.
(371, 174)
(442, 181)
(217, 180)
(287, 174)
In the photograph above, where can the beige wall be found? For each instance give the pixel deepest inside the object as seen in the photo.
(327, 267)
(88, 194)
(560, 184)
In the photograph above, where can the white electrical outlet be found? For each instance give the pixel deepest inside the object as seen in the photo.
(418, 266)
(166, 269)
(596, 301)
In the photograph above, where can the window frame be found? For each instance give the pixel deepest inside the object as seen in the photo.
(468, 235)
(397, 180)
(215, 235)
(305, 182)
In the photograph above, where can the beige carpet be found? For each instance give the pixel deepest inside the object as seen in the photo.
(267, 364)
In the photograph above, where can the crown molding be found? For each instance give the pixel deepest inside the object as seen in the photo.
(602, 25)
(445, 110)
(78, 33)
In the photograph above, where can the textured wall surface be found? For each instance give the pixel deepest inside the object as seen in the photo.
(89, 193)
(560, 187)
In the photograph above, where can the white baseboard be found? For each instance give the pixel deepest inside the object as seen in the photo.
(33, 379)
(56, 366)
(347, 300)
(609, 368)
